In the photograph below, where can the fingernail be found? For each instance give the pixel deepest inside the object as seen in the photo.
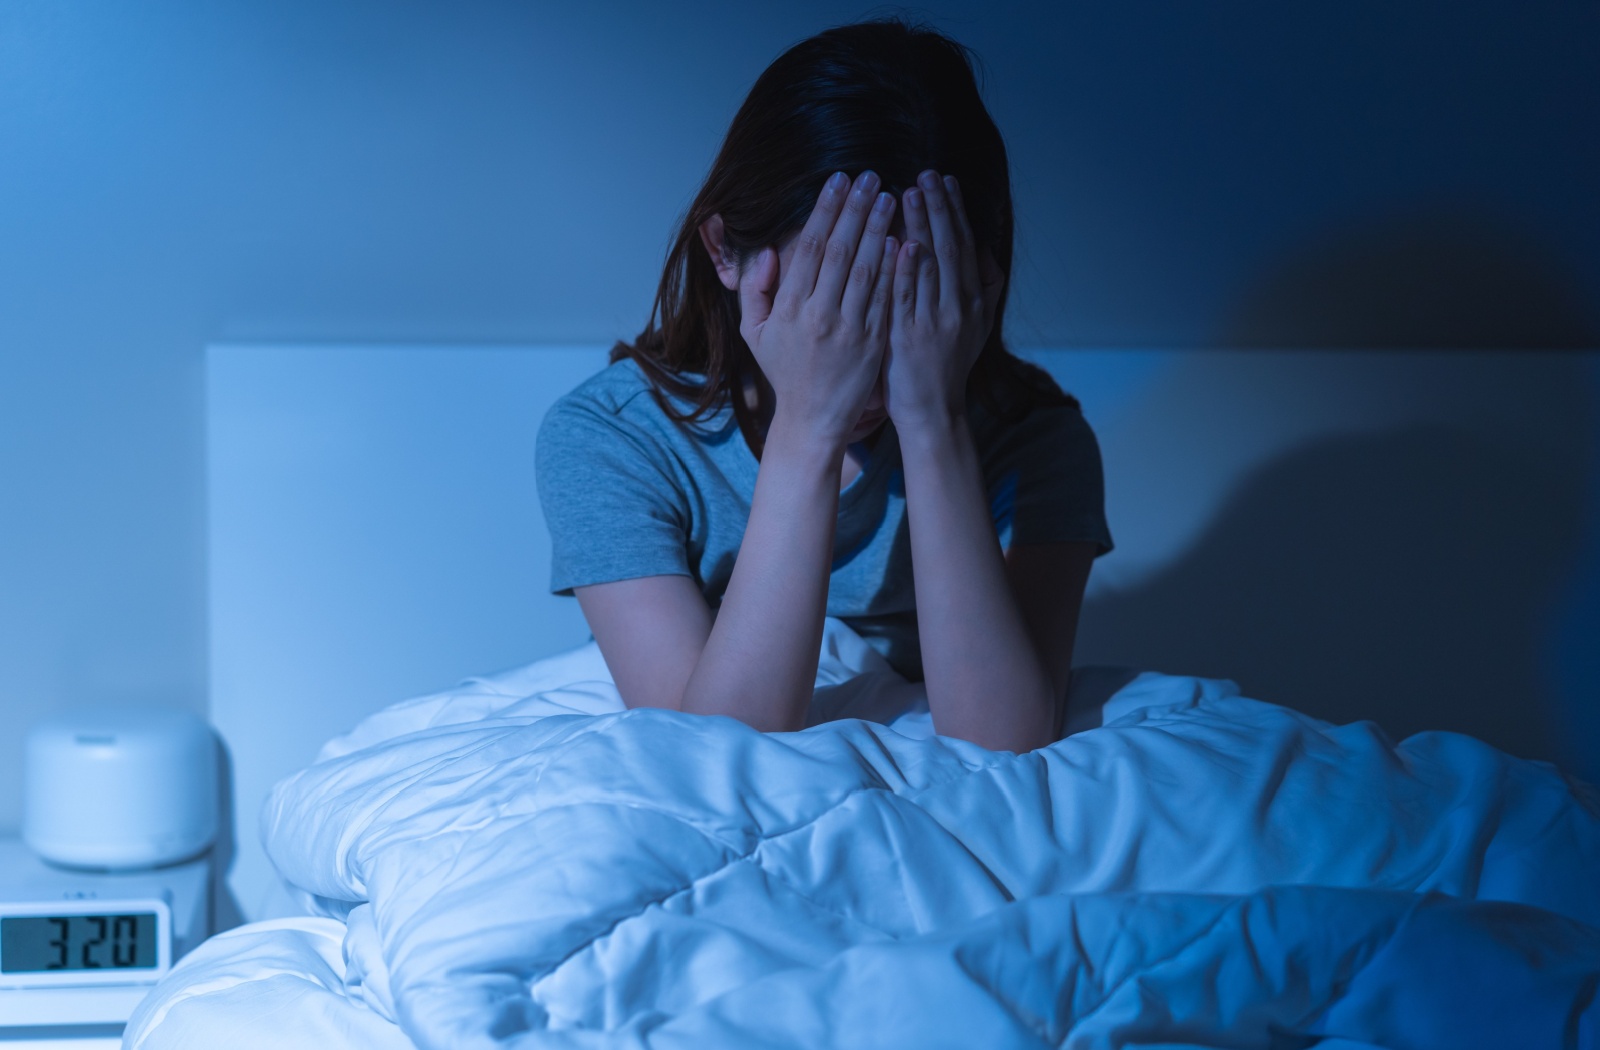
(911, 249)
(884, 202)
(913, 198)
(950, 185)
(837, 181)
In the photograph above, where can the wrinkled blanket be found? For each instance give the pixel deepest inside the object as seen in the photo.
(1202, 870)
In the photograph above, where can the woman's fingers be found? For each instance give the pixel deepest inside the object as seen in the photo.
(927, 271)
(755, 295)
(971, 279)
(917, 229)
(863, 280)
(906, 265)
(947, 245)
(800, 277)
(839, 257)
(877, 319)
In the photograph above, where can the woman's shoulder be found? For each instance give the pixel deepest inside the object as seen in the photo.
(611, 390)
(595, 415)
(617, 406)
(623, 389)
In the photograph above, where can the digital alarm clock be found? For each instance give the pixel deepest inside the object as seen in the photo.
(83, 948)
(84, 942)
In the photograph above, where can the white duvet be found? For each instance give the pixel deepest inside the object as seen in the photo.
(520, 863)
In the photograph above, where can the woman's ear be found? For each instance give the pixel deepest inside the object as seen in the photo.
(721, 258)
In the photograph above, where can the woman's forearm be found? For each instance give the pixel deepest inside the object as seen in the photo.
(760, 662)
(985, 680)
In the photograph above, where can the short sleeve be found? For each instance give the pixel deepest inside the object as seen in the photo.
(1045, 480)
(610, 499)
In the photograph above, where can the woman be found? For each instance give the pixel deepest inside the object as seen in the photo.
(825, 420)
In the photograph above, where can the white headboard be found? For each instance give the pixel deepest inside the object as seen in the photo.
(375, 534)
(1328, 529)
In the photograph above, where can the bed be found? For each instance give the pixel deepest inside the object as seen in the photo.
(517, 861)
(521, 862)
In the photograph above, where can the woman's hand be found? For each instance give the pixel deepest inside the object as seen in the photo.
(944, 303)
(820, 339)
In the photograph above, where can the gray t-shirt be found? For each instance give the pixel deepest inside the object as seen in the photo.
(627, 492)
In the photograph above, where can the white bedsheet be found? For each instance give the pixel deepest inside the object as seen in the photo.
(519, 864)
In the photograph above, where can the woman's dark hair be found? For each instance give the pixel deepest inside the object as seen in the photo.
(884, 95)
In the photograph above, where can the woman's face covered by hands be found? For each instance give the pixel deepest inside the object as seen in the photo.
(918, 296)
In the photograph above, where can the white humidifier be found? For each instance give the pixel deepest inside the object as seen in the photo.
(118, 789)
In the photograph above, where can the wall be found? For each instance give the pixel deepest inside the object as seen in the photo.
(1382, 536)
(179, 173)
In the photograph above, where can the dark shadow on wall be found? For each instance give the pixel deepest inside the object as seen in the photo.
(1403, 578)
(1412, 576)
(1445, 279)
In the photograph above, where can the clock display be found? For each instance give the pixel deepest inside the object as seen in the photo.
(42, 943)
